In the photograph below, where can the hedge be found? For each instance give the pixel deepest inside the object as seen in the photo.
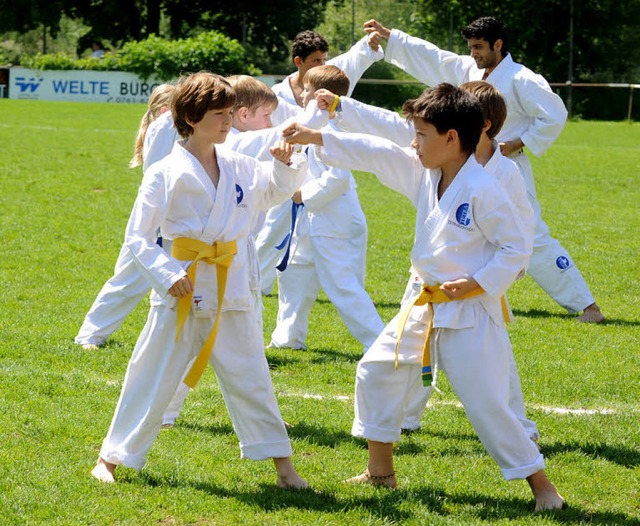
(160, 58)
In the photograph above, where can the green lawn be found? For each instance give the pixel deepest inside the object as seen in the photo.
(66, 195)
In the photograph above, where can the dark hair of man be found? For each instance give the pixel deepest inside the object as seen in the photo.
(306, 42)
(493, 105)
(447, 107)
(328, 77)
(490, 29)
(195, 95)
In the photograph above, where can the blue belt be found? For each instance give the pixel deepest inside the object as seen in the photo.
(287, 239)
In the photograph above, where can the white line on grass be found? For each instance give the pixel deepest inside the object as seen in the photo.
(545, 408)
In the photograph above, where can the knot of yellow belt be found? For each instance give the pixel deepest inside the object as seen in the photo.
(220, 254)
(428, 296)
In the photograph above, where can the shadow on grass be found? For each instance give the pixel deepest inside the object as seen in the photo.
(538, 313)
(321, 436)
(623, 456)
(331, 355)
(389, 505)
(379, 304)
(279, 357)
(213, 429)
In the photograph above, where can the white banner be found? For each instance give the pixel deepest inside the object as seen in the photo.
(84, 86)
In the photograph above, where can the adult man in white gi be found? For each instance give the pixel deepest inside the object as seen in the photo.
(535, 118)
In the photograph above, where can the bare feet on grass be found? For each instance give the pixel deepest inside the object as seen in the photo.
(591, 314)
(103, 471)
(90, 347)
(288, 477)
(386, 481)
(547, 497)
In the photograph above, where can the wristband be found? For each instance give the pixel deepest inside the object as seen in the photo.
(334, 105)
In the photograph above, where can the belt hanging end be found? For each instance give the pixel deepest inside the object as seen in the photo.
(427, 376)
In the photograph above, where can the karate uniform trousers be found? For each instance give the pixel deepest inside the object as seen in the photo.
(157, 368)
(476, 362)
(335, 264)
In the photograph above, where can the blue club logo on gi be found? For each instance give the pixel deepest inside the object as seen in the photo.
(563, 262)
(463, 218)
(240, 197)
(463, 215)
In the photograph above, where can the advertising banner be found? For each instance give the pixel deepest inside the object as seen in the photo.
(79, 86)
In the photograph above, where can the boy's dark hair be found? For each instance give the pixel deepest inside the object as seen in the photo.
(306, 42)
(492, 102)
(447, 107)
(328, 77)
(252, 93)
(488, 28)
(195, 95)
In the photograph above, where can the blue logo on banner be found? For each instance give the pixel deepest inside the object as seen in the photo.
(463, 215)
(563, 262)
(239, 194)
(28, 85)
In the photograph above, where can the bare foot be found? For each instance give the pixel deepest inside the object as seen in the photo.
(291, 482)
(168, 425)
(103, 471)
(90, 347)
(547, 497)
(288, 477)
(591, 314)
(387, 481)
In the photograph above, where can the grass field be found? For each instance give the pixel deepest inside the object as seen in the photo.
(65, 199)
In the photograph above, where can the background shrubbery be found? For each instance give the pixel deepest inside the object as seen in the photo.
(163, 59)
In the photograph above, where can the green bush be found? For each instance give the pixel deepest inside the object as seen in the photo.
(163, 59)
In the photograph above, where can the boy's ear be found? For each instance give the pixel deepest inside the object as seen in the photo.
(297, 61)
(242, 113)
(452, 136)
(487, 126)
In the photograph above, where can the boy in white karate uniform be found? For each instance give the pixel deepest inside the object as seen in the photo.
(469, 247)
(204, 198)
(356, 116)
(328, 246)
(309, 50)
(535, 118)
(126, 288)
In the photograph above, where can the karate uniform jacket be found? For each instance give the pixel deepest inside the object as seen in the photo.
(473, 231)
(534, 113)
(159, 139)
(331, 207)
(178, 196)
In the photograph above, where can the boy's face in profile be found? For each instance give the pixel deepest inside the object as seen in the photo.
(260, 118)
(214, 125)
(308, 94)
(429, 144)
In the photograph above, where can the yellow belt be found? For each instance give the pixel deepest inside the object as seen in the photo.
(428, 296)
(219, 254)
